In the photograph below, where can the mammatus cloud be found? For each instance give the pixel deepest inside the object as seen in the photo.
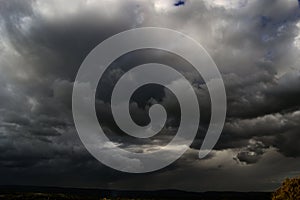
(255, 44)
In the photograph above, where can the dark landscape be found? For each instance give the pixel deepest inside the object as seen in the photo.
(56, 193)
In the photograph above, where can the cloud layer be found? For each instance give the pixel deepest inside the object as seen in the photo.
(255, 45)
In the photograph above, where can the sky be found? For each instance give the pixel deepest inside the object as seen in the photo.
(254, 43)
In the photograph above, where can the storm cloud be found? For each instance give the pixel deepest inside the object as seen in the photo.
(255, 44)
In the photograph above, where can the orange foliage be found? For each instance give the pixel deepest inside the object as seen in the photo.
(289, 190)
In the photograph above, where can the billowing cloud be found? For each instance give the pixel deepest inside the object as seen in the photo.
(255, 45)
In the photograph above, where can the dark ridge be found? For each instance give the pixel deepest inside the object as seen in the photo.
(159, 194)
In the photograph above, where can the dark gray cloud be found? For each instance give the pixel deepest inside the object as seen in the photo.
(255, 44)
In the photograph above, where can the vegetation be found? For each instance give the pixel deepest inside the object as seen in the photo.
(289, 190)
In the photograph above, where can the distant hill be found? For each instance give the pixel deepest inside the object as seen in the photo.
(57, 193)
